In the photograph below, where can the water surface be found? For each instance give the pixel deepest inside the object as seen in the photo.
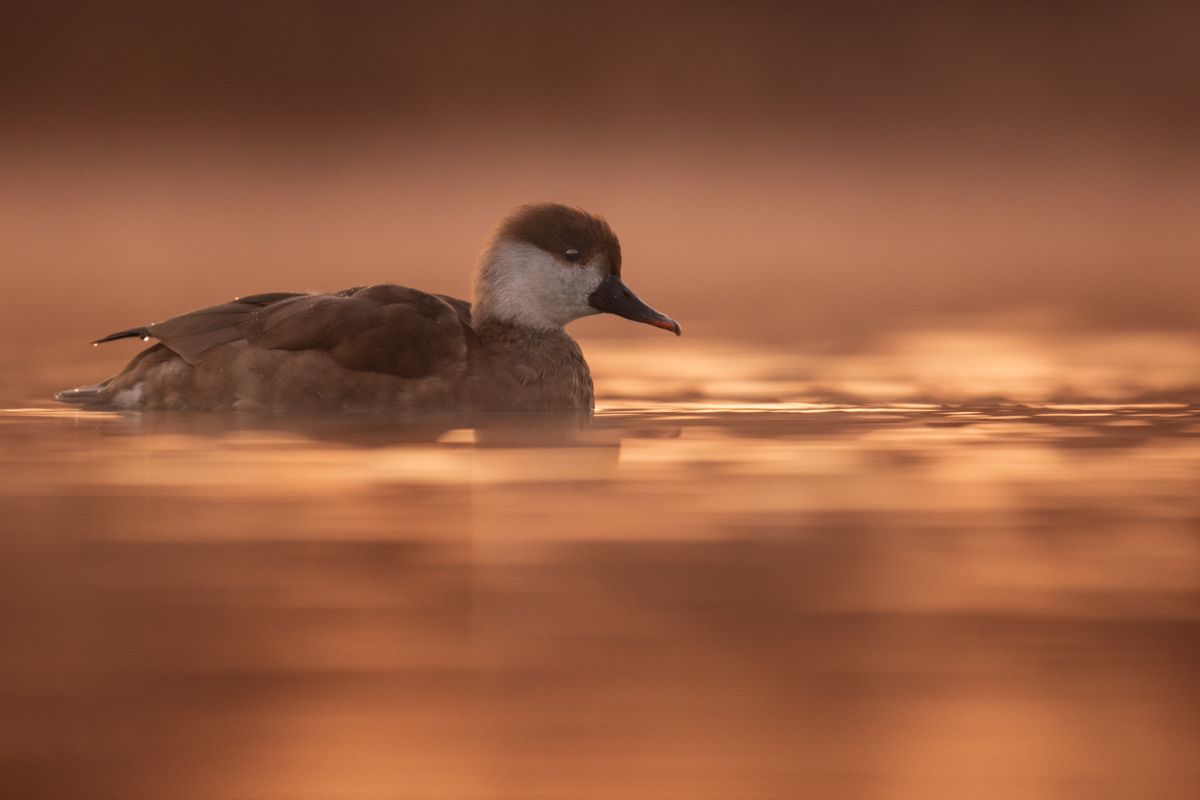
(729, 585)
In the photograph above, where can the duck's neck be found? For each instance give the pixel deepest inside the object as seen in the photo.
(506, 335)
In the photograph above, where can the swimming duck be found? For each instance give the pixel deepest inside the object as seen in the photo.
(392, 348)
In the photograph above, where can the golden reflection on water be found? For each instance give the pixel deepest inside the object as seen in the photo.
(963, 364)
(756, 597)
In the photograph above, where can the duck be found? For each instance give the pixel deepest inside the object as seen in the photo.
(389, 348)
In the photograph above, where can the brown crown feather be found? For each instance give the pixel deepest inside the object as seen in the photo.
(556, 228)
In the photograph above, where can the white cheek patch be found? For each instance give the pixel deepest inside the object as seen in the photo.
(525, 284)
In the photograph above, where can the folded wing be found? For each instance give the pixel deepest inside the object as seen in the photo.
(388, 329)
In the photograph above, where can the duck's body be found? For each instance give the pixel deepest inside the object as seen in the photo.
(393, 349)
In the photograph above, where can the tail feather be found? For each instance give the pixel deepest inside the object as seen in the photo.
(81, 396)
(142, 333)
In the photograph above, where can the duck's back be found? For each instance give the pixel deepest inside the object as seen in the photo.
(367, 348)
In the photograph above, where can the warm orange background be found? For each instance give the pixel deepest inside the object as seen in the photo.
(814, 173)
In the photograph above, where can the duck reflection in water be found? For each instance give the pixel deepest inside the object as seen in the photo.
(480, 429)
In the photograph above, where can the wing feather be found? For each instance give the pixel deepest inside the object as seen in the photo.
(389, 329)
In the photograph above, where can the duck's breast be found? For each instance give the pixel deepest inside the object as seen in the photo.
(531, 371)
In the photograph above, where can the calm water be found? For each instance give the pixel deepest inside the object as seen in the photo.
(743, 580)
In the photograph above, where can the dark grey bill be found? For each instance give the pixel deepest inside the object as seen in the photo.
(614, 297)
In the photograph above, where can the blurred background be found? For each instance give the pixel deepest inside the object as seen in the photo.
(814, 173)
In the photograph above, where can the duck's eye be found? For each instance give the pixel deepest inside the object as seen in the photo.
(572, 254)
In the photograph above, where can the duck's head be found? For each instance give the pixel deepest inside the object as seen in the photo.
(549, 264)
